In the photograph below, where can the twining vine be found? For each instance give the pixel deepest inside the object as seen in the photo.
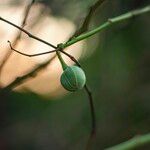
(73, 77)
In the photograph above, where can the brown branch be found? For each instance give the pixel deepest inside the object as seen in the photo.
(30, 55)
(43, 53)
(71, 57)
(92, 110)
(16, 40)
(85, 25)
(28, 33)
(47, 52)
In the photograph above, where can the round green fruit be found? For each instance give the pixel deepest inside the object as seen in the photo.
(73, 78)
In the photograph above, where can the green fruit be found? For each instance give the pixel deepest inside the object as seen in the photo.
(73, 78)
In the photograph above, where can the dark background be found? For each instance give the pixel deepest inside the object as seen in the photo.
(118, 72)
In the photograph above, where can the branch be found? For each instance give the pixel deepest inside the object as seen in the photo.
(71, 57)
(28, 33)
(107, 24)
(85, 25)
(30, 55)
(48, 52)
(132, 143)
(92, 110)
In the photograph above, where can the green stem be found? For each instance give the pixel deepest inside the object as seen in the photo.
(107, 24)
(63, 64)
(132, 143)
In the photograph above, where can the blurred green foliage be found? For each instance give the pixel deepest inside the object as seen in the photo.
(118, 73)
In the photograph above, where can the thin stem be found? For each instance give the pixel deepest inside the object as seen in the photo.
(108, 24)
(28, 33)
(30, 55)
(71, 57)
(92, 110)
(43, 53)
(63, 64)
(132, 143)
